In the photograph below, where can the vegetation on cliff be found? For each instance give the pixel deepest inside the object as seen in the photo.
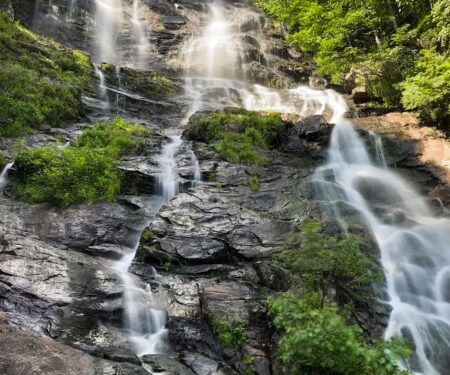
(40, 81)
(398, 49)
(316, 337)
(238, 135)
(84, 173)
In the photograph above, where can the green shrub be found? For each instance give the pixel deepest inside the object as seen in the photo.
(118, 135)
(72, 175)
(325, 262)
(429, 90)
(315, 338)
(231, 335)
(84, 173)
(40, 81)
(238, 134)
(253, 183)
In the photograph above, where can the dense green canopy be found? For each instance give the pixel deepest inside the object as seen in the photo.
(398, 49)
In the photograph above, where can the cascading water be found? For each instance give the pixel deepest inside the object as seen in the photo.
(414, 244)
(145, 320)
(140, 39)
(108, 19)
(4, 176)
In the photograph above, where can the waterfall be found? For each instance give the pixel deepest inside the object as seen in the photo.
(140, 39)
(168, 181)
(144, 321)
(197, 171)
(4, 176)
(413, 243)
(108, 19)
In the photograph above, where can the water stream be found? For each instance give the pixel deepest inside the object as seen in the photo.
(4, 176)
(414, 244)
(145, 320)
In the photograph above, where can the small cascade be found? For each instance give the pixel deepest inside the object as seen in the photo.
(102, 89)
(168, 180)
(72, 9)
(108, 20)
(144, 321)
(197, 171)
(377, 144)
(146, 325)
(4, 176)
(140, 39)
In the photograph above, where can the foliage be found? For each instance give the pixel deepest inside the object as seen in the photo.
(84, 173)
(253, 183)
(231, 335)
(325, 262)
(317, 339)
(147, 237)
(429, 89)
(40, 81)
(379, 41)
(68, 176)
(118, 135)
(238, 134)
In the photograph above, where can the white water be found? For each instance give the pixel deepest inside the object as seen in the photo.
(4, 176)
(140, 39)
(414, 245)
(145, 319)
(197, 171)
(108, 22)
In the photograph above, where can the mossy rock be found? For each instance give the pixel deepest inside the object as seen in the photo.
(238, 135)
(150, 84)
(42, 81)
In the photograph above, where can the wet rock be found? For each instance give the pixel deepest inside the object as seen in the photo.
(25, 354)
(338, 88)
(162, 363)
(360, 95)
(310, 134)
(272, 275)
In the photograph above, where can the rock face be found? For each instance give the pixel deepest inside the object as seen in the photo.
(213, 247)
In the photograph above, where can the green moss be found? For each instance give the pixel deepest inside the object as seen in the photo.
(41, 82)
(148, 84)
(2, 162)
(231, 335)
(119, 136)
(147, 237)
(84, 173)
(239, 135)
(107, 68)
(253, 183)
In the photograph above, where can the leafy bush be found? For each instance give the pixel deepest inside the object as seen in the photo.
(238, 134)
(84, 173)
(118, 135)
(231, 335)
(325, 262)
(68, 176)
(429, 89)
(315, 338)
(40, 81)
